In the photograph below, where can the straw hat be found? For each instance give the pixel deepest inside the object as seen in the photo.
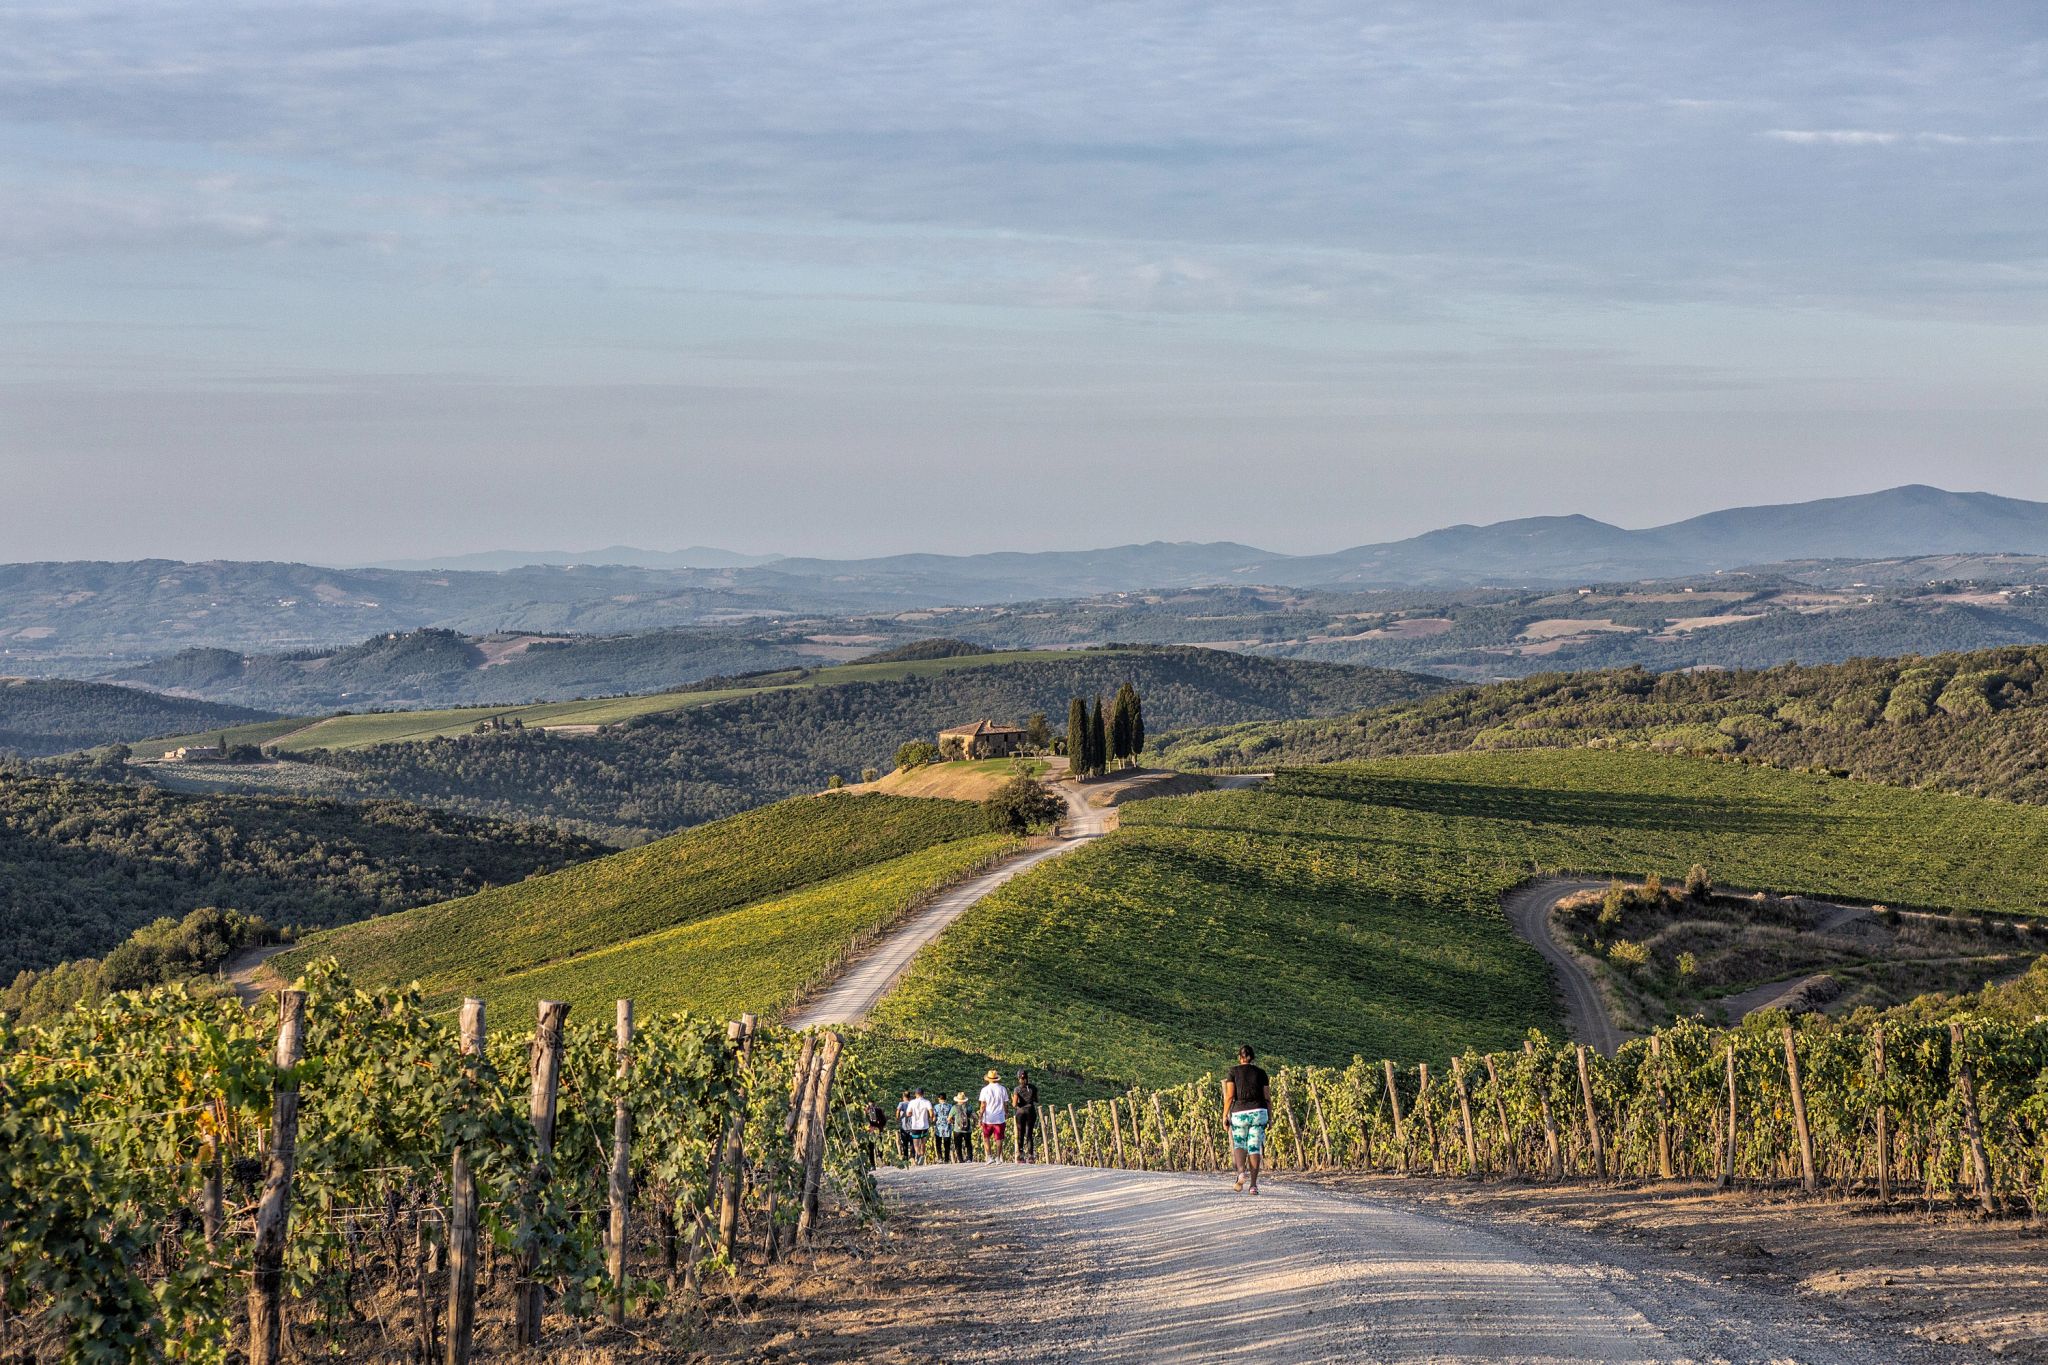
(960, 1098)
(993, 1075)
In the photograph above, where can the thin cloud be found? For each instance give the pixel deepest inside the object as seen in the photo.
(1834, 137)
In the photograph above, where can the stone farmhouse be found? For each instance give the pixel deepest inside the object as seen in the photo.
(982, 739)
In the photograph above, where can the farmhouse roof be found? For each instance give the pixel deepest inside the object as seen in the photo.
(984, 727)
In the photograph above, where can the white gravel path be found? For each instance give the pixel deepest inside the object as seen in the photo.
(1125, 1267)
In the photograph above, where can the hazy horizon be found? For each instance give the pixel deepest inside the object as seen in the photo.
(347, 283)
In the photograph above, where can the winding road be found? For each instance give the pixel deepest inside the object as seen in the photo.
(1528, 910)
(1128, 1267)
(861, 986)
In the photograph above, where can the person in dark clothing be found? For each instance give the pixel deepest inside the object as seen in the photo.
(963, 1128)
(903, 1128)
(1247, 1107)
(1024, 1102)
(877, 1123)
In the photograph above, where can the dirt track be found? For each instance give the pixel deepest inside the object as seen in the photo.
(1528, 910)
(1130, 1267)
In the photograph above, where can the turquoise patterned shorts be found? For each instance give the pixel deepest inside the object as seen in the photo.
(1248, 1130)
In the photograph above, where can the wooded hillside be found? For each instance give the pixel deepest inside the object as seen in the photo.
(1975, 722)
(41, 716)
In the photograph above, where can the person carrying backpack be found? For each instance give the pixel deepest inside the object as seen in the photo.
(1024, 1103)
(963, 1129)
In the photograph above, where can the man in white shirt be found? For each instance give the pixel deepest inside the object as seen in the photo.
(995, 1112)
(917, 1121)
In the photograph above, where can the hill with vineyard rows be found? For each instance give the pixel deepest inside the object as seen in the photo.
(634, 768)
(735, 915)
(1356, 908)
(1975, 722)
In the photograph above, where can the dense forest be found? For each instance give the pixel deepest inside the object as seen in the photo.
(665, 771)
(1975, 722)
(84, 864)
(41, 716)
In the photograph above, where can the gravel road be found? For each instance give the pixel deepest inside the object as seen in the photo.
(863, 982)
(1120, 1266)
(1528, 910)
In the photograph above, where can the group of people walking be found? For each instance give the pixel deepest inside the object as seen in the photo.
(938, 1129)
(934, 1129)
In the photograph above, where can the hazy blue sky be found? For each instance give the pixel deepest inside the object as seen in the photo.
(354, 280)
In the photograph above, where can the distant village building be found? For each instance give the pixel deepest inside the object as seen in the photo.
(983, 739)
(197, 753)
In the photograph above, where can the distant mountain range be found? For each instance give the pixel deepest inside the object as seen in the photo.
(55, 614)
(622, 556)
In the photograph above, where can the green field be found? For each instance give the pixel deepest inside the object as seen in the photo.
(299, 734)
(459, 947)
(1354, 908)
(756, 958)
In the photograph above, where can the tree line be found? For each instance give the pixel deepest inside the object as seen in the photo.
(1095, 743)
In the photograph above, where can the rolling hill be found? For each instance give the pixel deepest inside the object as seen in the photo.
(40, 716)
(1975, 722)
(739, 914)
(655, 764)
(1355, 909)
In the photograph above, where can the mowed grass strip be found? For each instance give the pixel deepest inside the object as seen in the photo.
(758, 958)
(1354, 909)
(452, 946)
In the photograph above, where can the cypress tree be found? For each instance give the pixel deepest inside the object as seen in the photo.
(1077, 736)
(1137, 723)
(1122, 723)
(1098, 739)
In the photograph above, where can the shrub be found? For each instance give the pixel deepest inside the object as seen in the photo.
(1688, 966)
(870, 774)
(834, 782)
(1021, 804)
(1632, 956)
(916, 754)
(1698, 885)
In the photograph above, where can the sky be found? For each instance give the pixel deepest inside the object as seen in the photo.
(349, 281)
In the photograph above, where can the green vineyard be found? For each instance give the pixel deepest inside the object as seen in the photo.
(160, 1162)
(1932, 1112)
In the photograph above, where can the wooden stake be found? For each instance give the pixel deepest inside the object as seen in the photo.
(273, 1210)
(1973, 1133)
(1552, 1147)
(793, 1132)
(1316, 1103)
(1663, 1116)
(546, 1065)
(1116, 1131)
(1728, 1147)
(1165, 1142)
(1465, 1117)
(1394, 1102)
(1592, 1117)
(462, 1211)
(1809, 1180)
(1500, 1112)
(814, 1153)
(740, 1031)
(621, 1184)
(1428, 1115)
(1884, 1125)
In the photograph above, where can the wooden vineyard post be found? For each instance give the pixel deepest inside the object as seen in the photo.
(546, 1057)
(212, 1212)
(1394, 1102)
(1663, 1115)
(1973, 1132)
(740, 1031)
(1884, 1125)
(1552, 1147)
(1116, 1131)
(1808, 1179)
(1293, 1128)
(1465, 1117)
(1500, 1112)
(1080, 1144)
(794, 1132)
(1316, 1103)
(814, 1149)
(1598, 1145)
(462, 1210)
(1728, 1144)
(1428, 1116)
(620, 1186)
(273, 1210)
(1165, 1140)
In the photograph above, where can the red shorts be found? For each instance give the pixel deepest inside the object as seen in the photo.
(992, 1132)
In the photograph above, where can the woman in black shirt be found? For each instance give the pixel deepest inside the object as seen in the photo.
(1247, 1107)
